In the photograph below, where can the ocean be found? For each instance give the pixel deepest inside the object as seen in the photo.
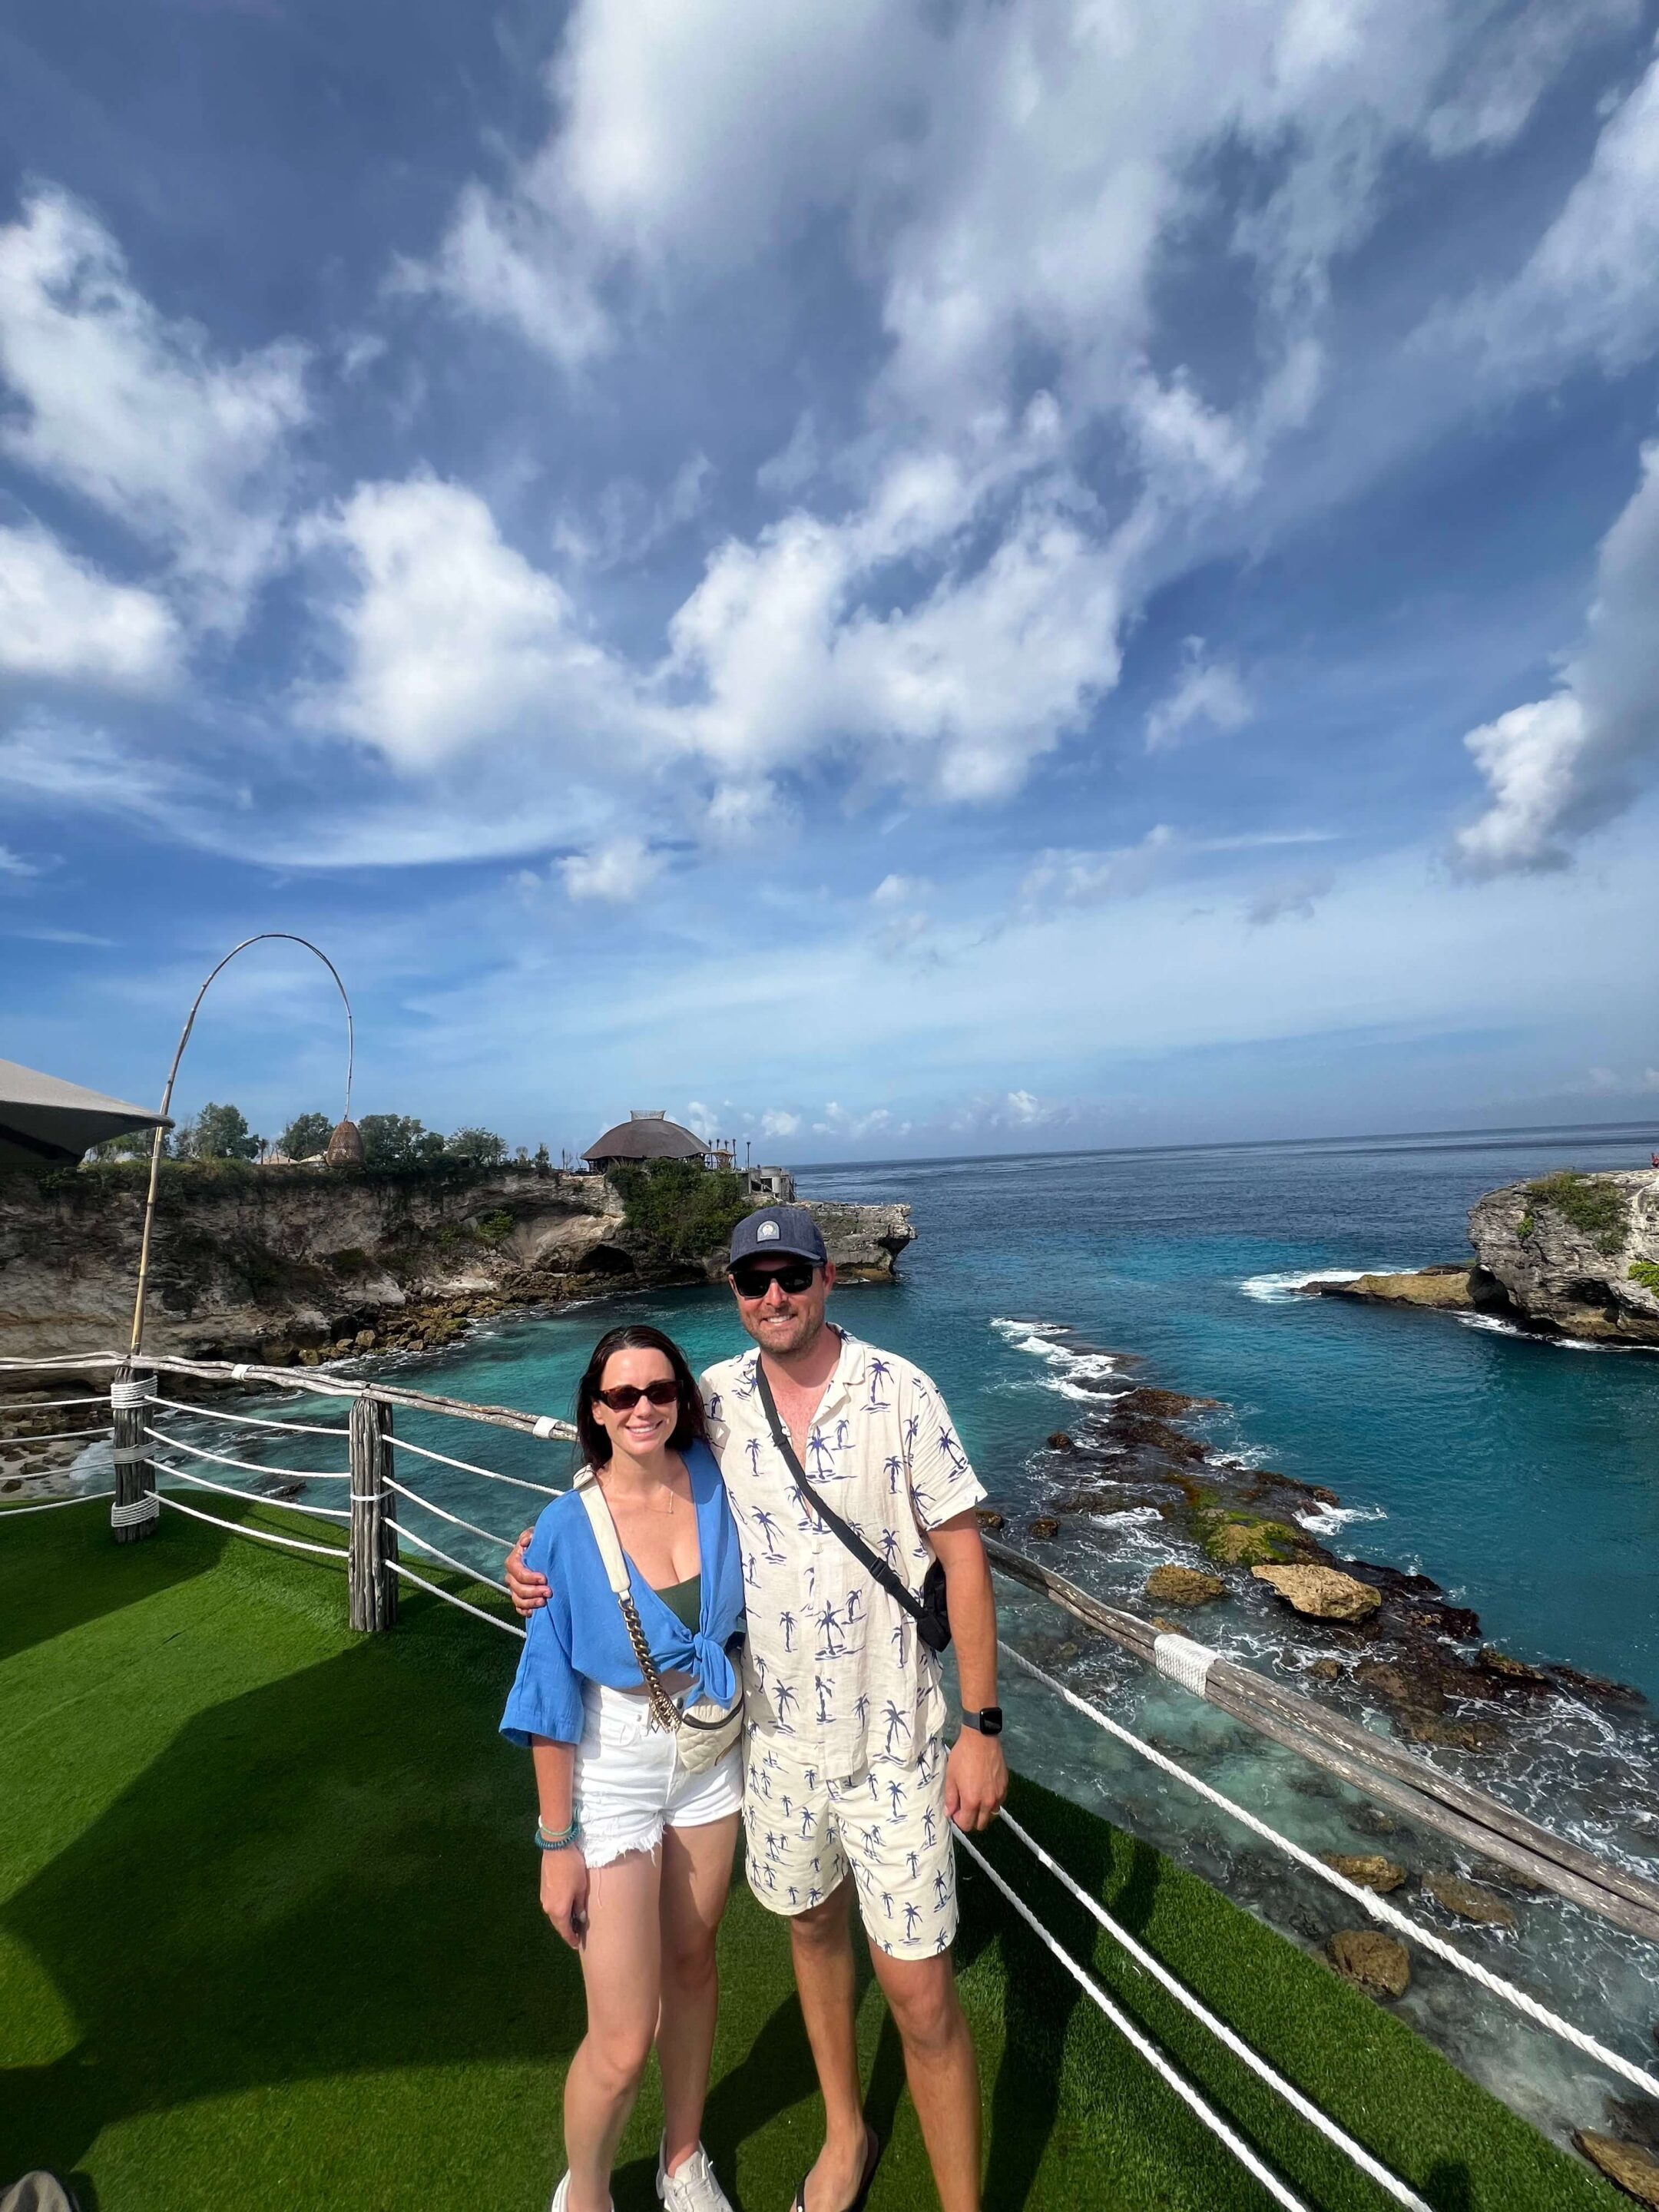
(1521, 1475)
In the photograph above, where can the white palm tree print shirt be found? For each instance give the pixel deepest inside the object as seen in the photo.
(835, 1677)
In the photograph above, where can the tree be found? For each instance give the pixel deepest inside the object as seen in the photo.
(398, 1141)
(305, 1135)
(480, 1148)
(220, 1133)
(134, 1145)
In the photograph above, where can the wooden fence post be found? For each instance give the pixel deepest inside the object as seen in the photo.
(136, 1508)
(374, 1518)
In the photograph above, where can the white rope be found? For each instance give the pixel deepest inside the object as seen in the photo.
(291, 1543)
(253, 1496)
(459, 1565)
(1218, 2028)
(250, 1420)
(49, 1405)
(409, 1575)
(1155, 2058)
(136, 1511)
(54, 1436)
(295, 1474)
(1369, 1902)
(51, 1505)
(124, 1396)
(443, 1514)
(467, 1467)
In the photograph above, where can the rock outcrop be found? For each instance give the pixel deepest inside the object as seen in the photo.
(1322, 1593)
(1577, 1254)
(1573, 1254)
(278, 1262)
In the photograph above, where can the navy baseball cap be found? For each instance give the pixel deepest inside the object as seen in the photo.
(781, 1229)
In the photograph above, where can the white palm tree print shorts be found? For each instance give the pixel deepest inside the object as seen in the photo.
(886, 1824)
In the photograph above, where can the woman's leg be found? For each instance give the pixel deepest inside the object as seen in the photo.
(622, 1968)
(696, 1872)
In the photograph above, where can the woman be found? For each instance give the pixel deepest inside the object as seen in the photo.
(636, 1849)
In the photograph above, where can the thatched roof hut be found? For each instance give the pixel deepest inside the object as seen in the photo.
(645, 1136)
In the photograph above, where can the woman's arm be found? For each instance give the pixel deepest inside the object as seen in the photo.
(564, 1873)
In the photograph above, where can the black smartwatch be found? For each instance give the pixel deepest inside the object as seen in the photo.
(988, 1720)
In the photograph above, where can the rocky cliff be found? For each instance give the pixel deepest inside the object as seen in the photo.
(293, 1262)
(1576, 1255)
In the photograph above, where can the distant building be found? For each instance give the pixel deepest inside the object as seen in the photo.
(643, 1137)
(771, 1186)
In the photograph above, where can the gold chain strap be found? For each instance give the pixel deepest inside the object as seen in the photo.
(664, 1711)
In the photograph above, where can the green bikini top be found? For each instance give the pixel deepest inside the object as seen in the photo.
(684, 1601)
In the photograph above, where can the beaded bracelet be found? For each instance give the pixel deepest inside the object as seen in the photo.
(559, 1842)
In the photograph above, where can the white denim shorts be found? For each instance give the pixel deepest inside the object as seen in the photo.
(630, 1782)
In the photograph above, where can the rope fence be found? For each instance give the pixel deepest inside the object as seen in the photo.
(370, 1554)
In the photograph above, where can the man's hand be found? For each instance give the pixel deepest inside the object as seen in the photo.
(976, 1780)
(526, 1589)
(564, 1893)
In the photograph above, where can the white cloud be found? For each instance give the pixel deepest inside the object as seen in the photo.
(776, 1122)
(1560, 767)
(900, 890)
(15, 868)
(1206, 691)
(1590, 287)
(1297, 896)
(1061, 878)
(451, 640)
(616, 873)
(137, 413)
(1024, 1108)
(59, 619)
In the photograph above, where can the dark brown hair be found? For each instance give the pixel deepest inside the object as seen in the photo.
(691, 1427)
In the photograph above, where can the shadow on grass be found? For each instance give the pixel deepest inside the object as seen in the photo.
(73, 1572)
(250, 1910)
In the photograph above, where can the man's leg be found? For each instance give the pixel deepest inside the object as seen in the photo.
(822, 1941)
(940, 2066)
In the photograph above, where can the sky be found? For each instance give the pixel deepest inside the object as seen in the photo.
(891, 579)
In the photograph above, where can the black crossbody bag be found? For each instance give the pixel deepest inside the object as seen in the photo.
(930, 1611)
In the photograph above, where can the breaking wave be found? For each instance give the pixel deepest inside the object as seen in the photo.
(1076, 1369)
(1279, 1289)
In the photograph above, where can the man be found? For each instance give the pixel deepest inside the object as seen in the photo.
(846, 1770)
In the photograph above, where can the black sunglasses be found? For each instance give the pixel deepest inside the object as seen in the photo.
(754, 1282)
(626, 1396)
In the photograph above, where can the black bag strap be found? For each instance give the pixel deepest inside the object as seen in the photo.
(872, 1562)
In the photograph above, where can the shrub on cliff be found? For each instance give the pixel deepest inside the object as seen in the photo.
(1589, 1202)
(679, 1209)
(219, 1132)
(307, 1135)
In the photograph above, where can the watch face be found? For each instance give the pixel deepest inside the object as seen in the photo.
(990, 1719)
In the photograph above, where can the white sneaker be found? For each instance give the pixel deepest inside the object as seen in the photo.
(693, 2189)
(561, 2197)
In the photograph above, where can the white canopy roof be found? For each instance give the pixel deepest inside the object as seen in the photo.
(47, 1122)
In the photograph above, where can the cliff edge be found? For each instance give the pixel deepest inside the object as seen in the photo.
(299, 1262)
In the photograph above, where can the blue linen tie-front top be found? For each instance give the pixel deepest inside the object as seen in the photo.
(579, 1636)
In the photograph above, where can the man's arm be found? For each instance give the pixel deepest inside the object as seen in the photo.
(976, 1775)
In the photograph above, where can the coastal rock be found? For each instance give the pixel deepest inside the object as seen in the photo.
(1444, 1285)
(1173, 1585)
(1059, 1442)
(1237, 1540)
(988, 1517)
(1634, 2170)
(306, 1261)
(1043, 1527)
(1367, 1869)
(1579, 1254)
(1377, 1963)
(1160, 1404)
(1467, 1901)
(1326, 1671)
(1322, 1593)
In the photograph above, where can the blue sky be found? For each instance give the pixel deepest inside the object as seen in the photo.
(890, 579)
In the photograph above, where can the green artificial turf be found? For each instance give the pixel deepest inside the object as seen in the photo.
(269, 1936)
